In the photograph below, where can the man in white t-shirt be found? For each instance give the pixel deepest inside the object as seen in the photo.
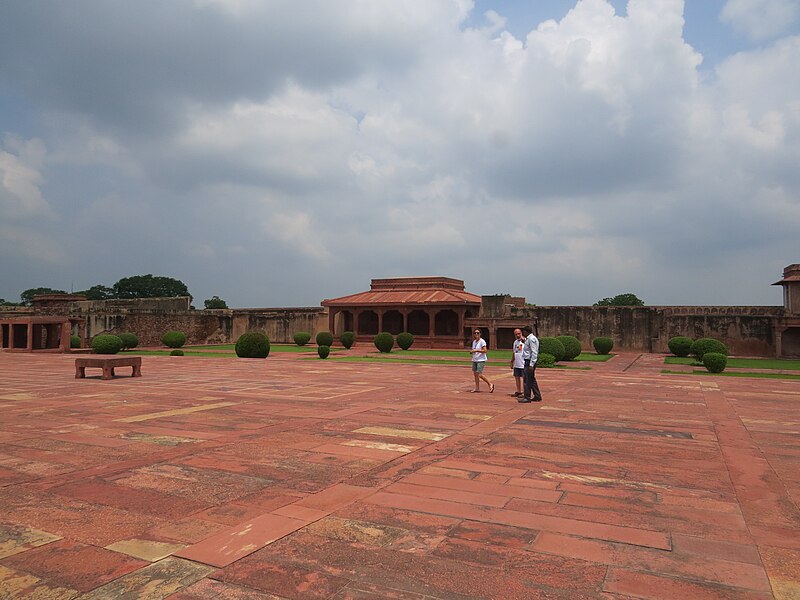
(517, 362)
(479, 361)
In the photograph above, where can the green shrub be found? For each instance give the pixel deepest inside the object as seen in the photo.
(252, 345)
(404, 340)
(572, 346)
(174, 339)
(323, 351)
(106, 344)
(176, 352)
(384, 342)
(680, 345)
(74, 341)
(603, 345)
(715, 362)
(348, 338)
(128, 340)
(553, 347)
(325, 338)
(301, 338)
(545, 361)
(705, 345)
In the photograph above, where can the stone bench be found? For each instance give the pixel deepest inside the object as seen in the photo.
(108, 364)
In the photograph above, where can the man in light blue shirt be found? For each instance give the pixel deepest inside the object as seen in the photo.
(530, 354)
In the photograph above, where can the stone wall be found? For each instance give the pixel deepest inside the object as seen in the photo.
(746, 330)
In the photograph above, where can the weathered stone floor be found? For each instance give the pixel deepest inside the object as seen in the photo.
(285, 478)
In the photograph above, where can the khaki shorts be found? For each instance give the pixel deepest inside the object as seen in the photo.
(477, 366)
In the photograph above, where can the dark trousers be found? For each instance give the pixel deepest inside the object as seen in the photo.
(530, 382)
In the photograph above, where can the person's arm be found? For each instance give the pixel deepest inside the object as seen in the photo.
(534, 350)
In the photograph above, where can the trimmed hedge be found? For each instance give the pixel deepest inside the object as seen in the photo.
(680, 345)
(325, 338)
(715, 362)
(545, 361)
(301, 338)
(553, 347)
(348, 338)
(404, 340)
(174, 339)
(572, 346)
(323, 351)
(176, 352)
(703, 346)
(253, 344)
(603, 345)
(74, 341)
(384, 342)
(128, 340)
(106, 344)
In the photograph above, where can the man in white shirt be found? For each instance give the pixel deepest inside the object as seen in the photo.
(479, 361)
(517, 362)
(530, 354)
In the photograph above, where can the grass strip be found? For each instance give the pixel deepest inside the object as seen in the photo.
(735, 374)
(777, 364)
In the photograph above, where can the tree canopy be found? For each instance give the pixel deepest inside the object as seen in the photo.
(27, 295)
(215, 302)
(148, 286)
(627, 299)
(97, 292)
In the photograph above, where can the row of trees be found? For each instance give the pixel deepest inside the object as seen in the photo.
(137, 286)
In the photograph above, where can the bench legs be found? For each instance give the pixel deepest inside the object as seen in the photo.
(108, 372)
(80, 372)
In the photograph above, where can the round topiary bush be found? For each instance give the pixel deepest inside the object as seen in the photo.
(404, 340)
(680, 345)
(325, 338)
(384, 342)
(74, 341)
(301, 338)
(715, 362)
(572, 346)
(553, 347)
(348, 338)
(174, 339)
(253, 344)
(603, 345)
(128, 340)
(703, 346)
(176, 352)
(323, 351)
(106, 344)
(545, 361)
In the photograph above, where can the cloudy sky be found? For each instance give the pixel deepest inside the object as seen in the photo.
(278, 152)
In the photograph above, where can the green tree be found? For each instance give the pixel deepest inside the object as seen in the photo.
(27, 295)
(98, 292)
(621, 300)
(215, 302)
(147, 286)
(4, 302)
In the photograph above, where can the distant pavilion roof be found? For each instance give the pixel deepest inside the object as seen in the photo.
(409, 291)
(790, 273)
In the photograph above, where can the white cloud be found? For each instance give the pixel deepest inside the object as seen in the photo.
(761, 19)
(21, 179)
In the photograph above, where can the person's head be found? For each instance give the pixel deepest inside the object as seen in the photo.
(518, 333)
(527, 330)
(476, 333)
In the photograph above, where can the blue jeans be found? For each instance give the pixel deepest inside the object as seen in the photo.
(530, 382)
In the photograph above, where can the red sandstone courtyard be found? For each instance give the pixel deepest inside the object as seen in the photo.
(290, 478)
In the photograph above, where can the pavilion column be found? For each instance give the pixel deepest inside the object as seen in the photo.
(380, 320)
(405, 319)
(431, 323)
(66, 334)
(356, 314)
(332, 321)
(30, 336)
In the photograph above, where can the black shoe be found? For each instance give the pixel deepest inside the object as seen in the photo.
(523, 400)
(537, 399)
(517, 394)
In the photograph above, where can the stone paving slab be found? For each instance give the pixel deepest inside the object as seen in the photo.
(288, 478)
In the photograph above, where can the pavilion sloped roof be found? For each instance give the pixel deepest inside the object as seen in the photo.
(409, 291)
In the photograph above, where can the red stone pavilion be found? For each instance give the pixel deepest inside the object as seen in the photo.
(432, 309)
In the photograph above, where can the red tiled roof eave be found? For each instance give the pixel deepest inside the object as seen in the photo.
(406, 297)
